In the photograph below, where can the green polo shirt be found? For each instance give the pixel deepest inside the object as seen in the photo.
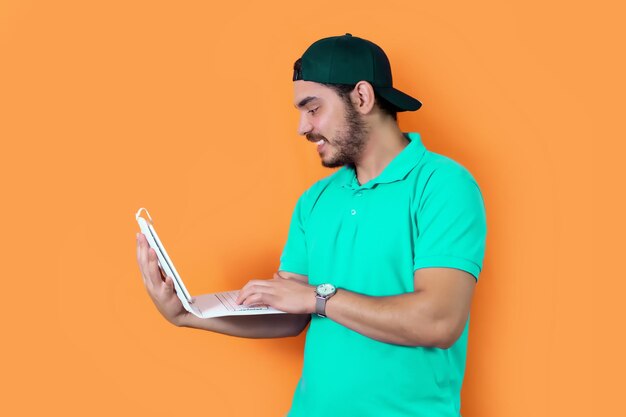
(424, 210)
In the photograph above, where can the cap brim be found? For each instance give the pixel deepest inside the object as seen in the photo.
(402, 102)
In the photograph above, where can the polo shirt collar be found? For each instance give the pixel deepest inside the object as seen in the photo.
(396, 170)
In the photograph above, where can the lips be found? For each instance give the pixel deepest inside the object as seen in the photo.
(313, 137)
(318, 140)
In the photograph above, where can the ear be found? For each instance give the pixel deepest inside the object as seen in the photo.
(363, 97)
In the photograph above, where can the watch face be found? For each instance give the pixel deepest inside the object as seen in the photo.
(325, 289)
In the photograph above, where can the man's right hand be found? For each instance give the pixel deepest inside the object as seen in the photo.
(159, 287)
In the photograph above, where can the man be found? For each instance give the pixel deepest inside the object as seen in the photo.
(381, 259)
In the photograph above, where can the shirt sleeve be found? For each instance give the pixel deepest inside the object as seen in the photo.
(294, 257)
(451, 224)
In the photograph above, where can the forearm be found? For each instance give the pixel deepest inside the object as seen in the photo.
(407, 319)
(255, 327)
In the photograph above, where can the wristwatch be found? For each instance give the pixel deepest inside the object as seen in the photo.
(322, 293)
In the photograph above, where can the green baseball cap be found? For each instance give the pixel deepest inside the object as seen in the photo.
(348, 59)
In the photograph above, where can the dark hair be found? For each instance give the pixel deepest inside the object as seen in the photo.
(344, 90)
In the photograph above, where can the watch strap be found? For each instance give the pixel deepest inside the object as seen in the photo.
(320, 305)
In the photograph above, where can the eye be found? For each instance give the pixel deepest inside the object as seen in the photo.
(313, 111)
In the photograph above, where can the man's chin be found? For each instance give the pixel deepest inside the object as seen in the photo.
(332, 159)
(332, 163)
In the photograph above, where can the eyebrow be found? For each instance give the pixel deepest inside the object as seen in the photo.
(305, 101)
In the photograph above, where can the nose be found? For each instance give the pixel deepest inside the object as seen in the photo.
(304, 126)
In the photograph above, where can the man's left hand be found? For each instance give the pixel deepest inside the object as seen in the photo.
(285, 294)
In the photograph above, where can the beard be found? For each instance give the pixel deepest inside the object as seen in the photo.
(348, 144)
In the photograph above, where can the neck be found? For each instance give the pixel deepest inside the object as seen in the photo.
(384, 143)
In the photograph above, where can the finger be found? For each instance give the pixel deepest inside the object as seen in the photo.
(254, 286)
(146, 250)
(171, 284)
(249, 288)
(141, 258)
(142, 245)
(258, 305)
(257, 299)
(137, 244)
(138, 251)
(140, 239)
(152, 271)
(261, 288)
(145, 265)
(245, 293)
(162, 274)
(168, 288)
(143, 254)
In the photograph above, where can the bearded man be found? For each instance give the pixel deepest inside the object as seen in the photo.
(382, 256)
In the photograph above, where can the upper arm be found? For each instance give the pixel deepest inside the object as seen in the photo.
(451, 224)
(449, 250)
(447, 294)
(294, 257)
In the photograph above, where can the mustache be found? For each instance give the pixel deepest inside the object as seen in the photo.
(313, 137)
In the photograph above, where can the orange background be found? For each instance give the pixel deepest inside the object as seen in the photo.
(186, 108)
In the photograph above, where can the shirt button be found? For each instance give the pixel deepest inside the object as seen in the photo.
(359, 194)
(353, 212)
